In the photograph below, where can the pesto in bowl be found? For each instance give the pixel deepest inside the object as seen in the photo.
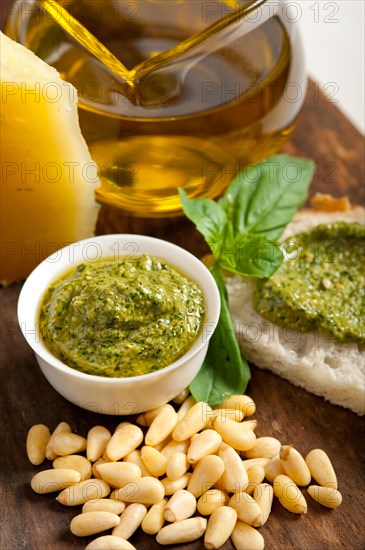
(121, 318)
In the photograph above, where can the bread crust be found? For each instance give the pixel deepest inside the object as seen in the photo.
(312, 360)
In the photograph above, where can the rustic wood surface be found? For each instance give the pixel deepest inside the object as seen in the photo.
(34, 522)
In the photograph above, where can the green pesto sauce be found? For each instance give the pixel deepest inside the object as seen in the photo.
(320, 285)
(121, 318)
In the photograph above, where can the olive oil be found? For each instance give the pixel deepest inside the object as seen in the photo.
(198, 117)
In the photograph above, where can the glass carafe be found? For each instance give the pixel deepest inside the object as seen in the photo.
(210, 87)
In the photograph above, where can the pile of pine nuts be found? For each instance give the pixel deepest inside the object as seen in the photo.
(193, 459)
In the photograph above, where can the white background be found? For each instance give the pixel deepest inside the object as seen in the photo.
(333, 37)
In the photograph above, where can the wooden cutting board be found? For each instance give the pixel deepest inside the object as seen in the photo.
(34, 522)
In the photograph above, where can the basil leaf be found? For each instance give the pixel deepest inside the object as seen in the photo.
(209, 217)
(224, 372)
(262, 199)
(240, 229)
(251, 256)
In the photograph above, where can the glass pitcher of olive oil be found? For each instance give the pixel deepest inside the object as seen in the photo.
(209, 86)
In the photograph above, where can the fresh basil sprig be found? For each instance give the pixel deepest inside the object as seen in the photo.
(241, 230)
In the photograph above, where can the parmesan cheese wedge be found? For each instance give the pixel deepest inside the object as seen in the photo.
(47, 175)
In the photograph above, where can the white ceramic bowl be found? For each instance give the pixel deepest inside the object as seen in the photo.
(117, 396)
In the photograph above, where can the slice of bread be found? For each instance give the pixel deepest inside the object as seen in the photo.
(311, 360)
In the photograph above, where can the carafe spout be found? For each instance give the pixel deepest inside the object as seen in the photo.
(87, 40)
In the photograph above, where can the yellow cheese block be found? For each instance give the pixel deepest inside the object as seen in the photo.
(47, 175)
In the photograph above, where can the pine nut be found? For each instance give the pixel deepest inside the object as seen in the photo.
(155, 518)
(177, 466)
(154, 461)
(123, 441)
(255, 461)
(206, 473)
(210, 501)
(62, 427)
(101, 460)
(264, 447)
(263, 495)
(182, 505)
(109, 542)
(37, 440)
(97, 440)
(118, 474)
(121, 425)
(245, 537)
(193, 422)
(185, 407)
(163, 443)
(181, 396)
(112, 496)
(234, 477)
(104, 505)
(146, 490)
(321, 468)
(219, 485)
(294, 465)
(74, 462)
(242, 402)
(179, 532)
(50, 481)
(289, 495)
(256, 475)
(161, 427)
(175, 447)
(326, 496)
(252, 424)
(173, 485)
(145, 419)
(67, 443)
(273, 468)
(235, 434)
(91, 523)
(223, 413)
(247, 509)
(130, 520)
(135, 458)
(90, 489)
(204, 444)
(219, 528)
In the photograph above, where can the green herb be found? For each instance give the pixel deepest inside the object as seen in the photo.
(213, 384)
(263, 198)
(241, 230)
